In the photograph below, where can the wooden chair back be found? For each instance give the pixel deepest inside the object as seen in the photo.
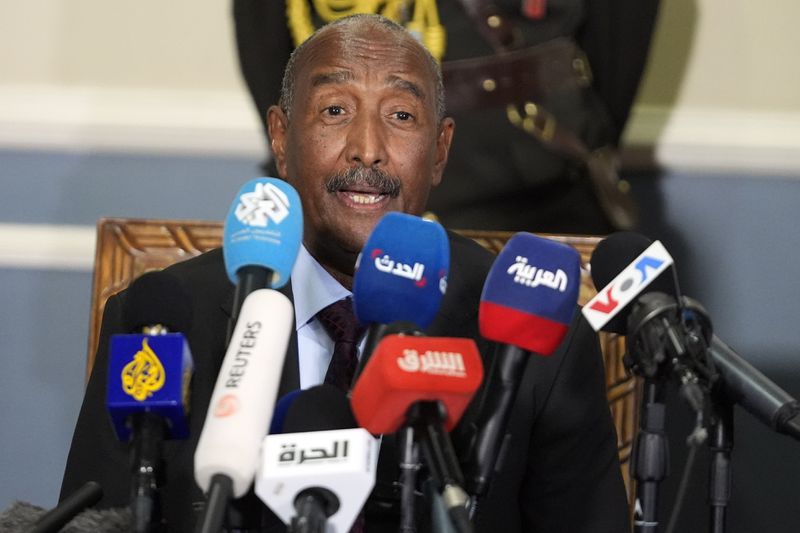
(126, 248)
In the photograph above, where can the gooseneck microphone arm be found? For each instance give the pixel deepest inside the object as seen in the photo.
(504, 381)
(427, 418)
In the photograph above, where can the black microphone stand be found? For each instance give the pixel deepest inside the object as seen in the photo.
(719, 468)
(650, 457)
(665, 341)
(409, 465)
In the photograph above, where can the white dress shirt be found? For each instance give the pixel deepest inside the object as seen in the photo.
(314, 289)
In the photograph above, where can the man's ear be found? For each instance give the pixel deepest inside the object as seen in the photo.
(445, 137)
(278, 126)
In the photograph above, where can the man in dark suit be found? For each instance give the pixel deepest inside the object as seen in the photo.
(360, 131)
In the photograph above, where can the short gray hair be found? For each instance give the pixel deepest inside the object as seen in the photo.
(354, 23)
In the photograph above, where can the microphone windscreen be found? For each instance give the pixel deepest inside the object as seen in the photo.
(610, 257)
(264, 228)
(116, 520)
(531, 293)
(401, 273)
(405, 369)
(281, 408)
(321, 408)
(157, 297)
(20, 516)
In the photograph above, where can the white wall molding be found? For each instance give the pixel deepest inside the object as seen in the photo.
(47, 247)
(149, 120)
(757, 142)
(129, 119)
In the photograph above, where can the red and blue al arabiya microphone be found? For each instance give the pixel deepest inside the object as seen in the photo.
(400, 278)
(148, 383)
(528, 301)
(262, 236)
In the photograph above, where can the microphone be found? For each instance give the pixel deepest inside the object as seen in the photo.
(645, 260)
(756, 393)
(53, 520)
(400, 277)
(148, 383)
(527, 304)
(261, 239)
(241, 405)
(317, 475)
(425, 383)
(738, 380)
(281, 409)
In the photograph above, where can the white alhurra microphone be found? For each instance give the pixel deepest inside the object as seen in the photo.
(244, 396)
(337, 466)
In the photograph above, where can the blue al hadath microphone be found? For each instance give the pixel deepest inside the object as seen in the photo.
(401, 277)
(317, 474)
(261, 238)
(529, 298)
(148, 382)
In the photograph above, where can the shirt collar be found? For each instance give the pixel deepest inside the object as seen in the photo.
(313, 288)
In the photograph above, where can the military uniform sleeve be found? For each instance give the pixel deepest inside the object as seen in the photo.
(264, 44)
(95, 453)
(573, 481)
(616, 38)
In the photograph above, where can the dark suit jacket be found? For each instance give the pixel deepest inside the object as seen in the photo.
(561, 472)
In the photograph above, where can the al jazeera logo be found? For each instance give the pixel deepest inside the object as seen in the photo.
(144, 375)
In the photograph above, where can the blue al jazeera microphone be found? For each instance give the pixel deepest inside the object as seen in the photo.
(148, 382)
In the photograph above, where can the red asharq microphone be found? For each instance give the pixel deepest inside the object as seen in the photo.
(426, 383)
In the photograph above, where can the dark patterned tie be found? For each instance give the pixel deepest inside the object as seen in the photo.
(343, 328)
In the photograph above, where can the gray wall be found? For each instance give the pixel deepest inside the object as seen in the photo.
(733, 237)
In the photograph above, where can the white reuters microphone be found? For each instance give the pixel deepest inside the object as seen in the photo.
(335, 468)
(244, 396)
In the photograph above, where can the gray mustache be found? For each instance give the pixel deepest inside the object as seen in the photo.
(366, 177)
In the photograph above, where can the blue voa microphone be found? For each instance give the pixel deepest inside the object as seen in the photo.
(528, 302)
(400, 278)
(148, 383)
(262, 236)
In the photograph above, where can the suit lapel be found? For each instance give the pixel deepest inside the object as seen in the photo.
(290, 377)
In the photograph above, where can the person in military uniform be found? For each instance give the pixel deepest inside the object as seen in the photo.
(540, 91)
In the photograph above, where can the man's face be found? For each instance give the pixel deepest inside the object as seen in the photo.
(363, 138)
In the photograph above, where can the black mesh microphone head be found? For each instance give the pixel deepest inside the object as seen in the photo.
(157, 297)
(319, 408)
(611, 256)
